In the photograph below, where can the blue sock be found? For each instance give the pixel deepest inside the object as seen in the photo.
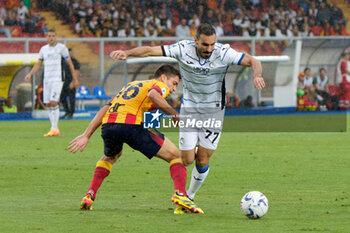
(202, 169)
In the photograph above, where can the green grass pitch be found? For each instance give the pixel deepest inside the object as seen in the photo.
(305, 176)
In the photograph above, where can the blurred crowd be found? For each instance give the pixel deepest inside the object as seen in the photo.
(21, 18)
(118, 18)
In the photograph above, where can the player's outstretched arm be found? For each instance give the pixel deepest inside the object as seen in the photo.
(80, 142)
(35, 69)
(158, 100)
(255, 64)
(143, 51)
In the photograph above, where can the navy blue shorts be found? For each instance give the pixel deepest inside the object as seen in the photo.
(147, 141)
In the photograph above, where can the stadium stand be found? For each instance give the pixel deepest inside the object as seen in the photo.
(98, 16)
(297, 18)
(299, 13)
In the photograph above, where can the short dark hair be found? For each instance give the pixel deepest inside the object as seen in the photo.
(52, 30)
(168, 70)
(206, 29)
(306, 68)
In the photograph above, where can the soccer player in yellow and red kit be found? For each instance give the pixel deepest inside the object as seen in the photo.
(122, 122)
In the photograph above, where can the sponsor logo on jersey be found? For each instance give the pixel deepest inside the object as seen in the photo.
(163, 91)
(201, 70)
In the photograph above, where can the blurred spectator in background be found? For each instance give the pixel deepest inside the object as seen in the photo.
(42, 26)
(139, 31)
(232, 100)
(313, 11)
(3, 12)
(326, 29)
(295, 31)
(247, 103)
(9, 107)
(321, 88)
(272, 30)
(193, 29)
(233, 17)
(68, 90)
(95, 26)
(4, 29)
(239, 22)
(113, 28)
(150, 30)
(126, 31)
(218, 29)
(195, 19)
(323, 14)
(344, 86)
(34, 13)
(82, 28)
(337, 15)
(209, 18)
(284, 29)
(300, 19)
(12, 19)
(182, 30)
(22, 12)
(338, 30)
(252, 30)
(148, 17)
(163, 23)
(308, 79)
(301, 81)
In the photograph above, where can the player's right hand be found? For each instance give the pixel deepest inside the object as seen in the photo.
(78, 143)
(26, 78)
(118, 55)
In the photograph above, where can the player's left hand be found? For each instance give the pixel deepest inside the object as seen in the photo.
(78, 143)
(259, 83)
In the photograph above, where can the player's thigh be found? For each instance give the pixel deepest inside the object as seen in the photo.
(147, 141)
(188, 136)
(188, 139)
(168, 151)
(209, 138)
(55, 91)
(47, 87)
(112, 140)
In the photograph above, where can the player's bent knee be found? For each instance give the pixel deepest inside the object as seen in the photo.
(187, 161)
(188, 157)
(112, 159)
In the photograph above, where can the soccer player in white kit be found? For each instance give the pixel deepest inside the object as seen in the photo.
(203, 66)
(51, 54)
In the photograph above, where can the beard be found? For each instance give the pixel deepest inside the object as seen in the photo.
(205, 55)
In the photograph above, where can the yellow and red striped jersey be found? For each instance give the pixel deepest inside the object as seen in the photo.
(129, 104)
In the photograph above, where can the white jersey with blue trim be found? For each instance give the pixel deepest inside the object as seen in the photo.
(203, 79)
(52, 55)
